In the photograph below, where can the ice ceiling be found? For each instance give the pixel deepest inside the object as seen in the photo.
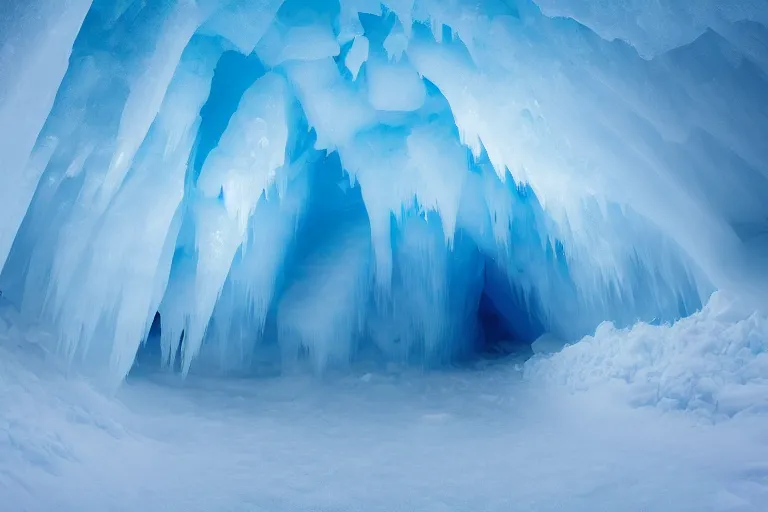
(308, 180)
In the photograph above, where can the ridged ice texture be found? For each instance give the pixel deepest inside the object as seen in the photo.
(280, 181)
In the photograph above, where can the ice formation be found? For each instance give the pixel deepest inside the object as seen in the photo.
(241, 181)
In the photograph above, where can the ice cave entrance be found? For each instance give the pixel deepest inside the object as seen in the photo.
(298, 182)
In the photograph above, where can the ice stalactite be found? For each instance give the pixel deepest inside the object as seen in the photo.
(317, 181)
(36, 39)
(236, 174)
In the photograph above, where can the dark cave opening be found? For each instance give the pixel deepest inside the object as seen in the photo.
(505, 329)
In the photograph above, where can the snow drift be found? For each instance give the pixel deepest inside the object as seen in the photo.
(714, 362)
(241, 181)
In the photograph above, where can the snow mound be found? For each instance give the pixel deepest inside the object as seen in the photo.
(45, 414)
(714, 362)
(460, 440)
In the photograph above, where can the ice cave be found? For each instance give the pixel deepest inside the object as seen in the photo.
(384, 255)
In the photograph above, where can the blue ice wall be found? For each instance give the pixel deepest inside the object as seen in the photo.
(309, 182)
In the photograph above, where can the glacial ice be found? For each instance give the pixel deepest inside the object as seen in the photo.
(36, 40)
(310, 181)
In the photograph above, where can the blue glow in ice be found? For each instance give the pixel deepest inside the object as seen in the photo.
(408, 180)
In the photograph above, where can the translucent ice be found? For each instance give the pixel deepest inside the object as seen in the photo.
(232, 181)
(394, 86)
(357, 55)
(36, 40)
(405, 180)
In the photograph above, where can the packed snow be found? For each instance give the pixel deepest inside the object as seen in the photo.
(495, 436)
(385, 255)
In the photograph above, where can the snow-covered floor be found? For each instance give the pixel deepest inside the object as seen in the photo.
(480, 439)
(460, 440)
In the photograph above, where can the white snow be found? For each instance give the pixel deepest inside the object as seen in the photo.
(368, 186)
(714, 362)
(456, 440)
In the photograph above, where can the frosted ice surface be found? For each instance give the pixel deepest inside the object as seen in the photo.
(394, 86)
(659, 26)
(396, 43)
(251, 150)
(148, 89)
(367, 188)
(231, 183)
(334, 108)
(357, 55)
(36, 40)
(303, 42)
(243, 23)
(242, 309)
(323, 308)
(350, 25)
(181, 158)
(122, 268)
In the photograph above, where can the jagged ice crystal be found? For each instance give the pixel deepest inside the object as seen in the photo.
(316, 180)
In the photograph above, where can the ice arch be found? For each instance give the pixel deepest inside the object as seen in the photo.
(319, 180)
